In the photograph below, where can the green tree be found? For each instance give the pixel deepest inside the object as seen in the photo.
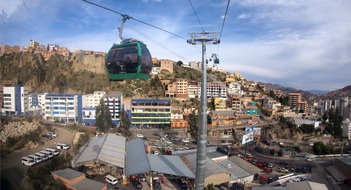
(179, 63)
(124, 124)
(193, 120)
(103, 119)
(319, 148)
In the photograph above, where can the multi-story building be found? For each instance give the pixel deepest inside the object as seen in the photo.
(220, 103)
(114, 100)
(2, 85)
(294, 99)
(251, 109)
(167, 65)
(177, 120)
(15, 100)
(327, 104)
(193, 90)
(62, 107)
(345, 107)
(236, 104)
(33, 43)
(214, 89)
(4, 49)
(151, 113)
(182, 88)
(195, 65)
(346, 128)
(302, 106)
(171, 89)
(93, 100)
(235, 88)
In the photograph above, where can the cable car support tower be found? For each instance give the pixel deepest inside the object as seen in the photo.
(202, 37)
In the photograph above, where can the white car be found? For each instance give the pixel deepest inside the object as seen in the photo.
(140, 135)
(185, 140)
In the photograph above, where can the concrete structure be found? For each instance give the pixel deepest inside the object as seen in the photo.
(2, 85)
(114, 100)
(340, 172)
(151, 113)
(300, 121)
(62, 107)
(346, 128)
(235, 88)
(220, 103)
(167, 65)
(193, 90)
(76, 180)
(236, 104)
(6, 49)
(214, 89)
(93, 100)
(182, 88)
(15, 100)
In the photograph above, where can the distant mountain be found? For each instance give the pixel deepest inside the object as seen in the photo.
(312, 95)
(318, 92)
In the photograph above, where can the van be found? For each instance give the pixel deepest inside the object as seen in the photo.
(27, 161)
(62, 146)
(37, 159)
(42, 156)
(55, 152)
(111, 179)
(47, 153)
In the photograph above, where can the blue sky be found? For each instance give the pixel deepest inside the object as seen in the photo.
(294, 43)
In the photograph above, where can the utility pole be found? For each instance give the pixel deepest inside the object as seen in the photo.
(202, 37)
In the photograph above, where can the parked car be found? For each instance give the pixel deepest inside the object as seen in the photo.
(136, 184)
(140, 135)
(51, 134)
(186, 140)
(62, 146)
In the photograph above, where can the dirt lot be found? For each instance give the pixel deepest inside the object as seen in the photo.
(12, 171)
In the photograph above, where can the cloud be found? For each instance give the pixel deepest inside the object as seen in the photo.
(243, 16)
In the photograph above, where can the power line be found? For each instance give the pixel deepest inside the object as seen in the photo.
(225, 16)
(196, 16)
(129, 17)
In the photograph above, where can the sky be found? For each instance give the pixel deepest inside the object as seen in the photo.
(294, 43)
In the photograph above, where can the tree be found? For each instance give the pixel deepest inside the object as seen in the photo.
(124, 124)
(319, 148)
(103, 119)
(193, 120)
(179, 63)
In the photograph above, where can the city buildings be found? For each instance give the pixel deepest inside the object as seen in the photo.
(15, 100)
(151, 113)
(62, 107)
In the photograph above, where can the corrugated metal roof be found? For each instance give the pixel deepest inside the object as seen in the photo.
(108, 148)
(136, 159)
(307, 185)
(68, 173)
(88, 184)
(236, 170)
(244, 164)
(210, 169)
(169, 165)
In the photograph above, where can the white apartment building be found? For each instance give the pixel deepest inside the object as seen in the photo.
(214, 89)
(235, 88)
(61, 107)
(15, 100)
(114, 101)
(346, 128)
(193, 90)
(93, 100)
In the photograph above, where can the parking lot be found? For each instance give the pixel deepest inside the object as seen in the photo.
(12, 171)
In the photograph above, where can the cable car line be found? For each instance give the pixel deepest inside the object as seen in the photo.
(225, 16)
(196, 16)
(129, 17)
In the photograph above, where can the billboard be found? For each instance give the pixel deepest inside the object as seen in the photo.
(247, 138)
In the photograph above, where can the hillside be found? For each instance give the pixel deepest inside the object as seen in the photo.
(308, 96)
(79, 73)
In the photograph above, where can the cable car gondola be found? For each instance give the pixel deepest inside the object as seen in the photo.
(129, 60)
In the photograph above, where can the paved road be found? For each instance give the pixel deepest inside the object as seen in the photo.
(12, 171)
